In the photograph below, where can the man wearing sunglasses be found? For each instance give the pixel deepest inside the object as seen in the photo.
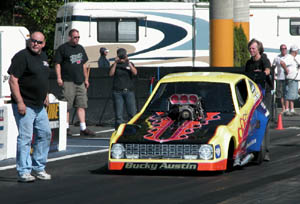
(280, 76)
(72, 75)
(29, 73)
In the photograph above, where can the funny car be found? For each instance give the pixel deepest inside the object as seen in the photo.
(202, 121)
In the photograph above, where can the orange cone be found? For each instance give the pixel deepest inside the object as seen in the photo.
(279, 122)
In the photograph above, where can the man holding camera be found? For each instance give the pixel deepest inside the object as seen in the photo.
(123, 72)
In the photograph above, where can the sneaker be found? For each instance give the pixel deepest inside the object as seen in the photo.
(294, 113)
(287, 113)
(87, 132)
(69, 132)
(25, 178)
(42, 175)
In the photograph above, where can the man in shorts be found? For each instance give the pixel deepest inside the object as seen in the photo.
(291, 66)
(72, 75)
(280, 75)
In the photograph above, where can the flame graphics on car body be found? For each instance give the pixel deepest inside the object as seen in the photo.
(160, 123)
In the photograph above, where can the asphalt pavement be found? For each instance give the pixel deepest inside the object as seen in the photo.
(76, 145)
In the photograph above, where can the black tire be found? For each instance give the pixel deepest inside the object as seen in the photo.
(230, 159)
(259, 156)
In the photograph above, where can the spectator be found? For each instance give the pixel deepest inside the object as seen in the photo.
(258, 69)
(280, 80)
(29, 72)
(122, 71)
(72, 75)
(103, 61)
(290, 66)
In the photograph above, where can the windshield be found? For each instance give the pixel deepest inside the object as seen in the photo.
(216, 97)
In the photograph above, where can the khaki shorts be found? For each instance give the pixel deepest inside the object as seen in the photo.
(75, 95)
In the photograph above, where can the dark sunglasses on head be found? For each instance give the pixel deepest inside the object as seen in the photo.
(75, 37)
(36, 41)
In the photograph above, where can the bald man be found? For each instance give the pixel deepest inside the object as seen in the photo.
(29, 73)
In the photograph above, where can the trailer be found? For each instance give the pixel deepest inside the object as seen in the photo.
(169, 33)
(12, 40)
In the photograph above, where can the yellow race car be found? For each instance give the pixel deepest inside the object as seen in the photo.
(203, 121)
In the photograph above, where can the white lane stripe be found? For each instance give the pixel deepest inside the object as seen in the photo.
(87, 146)
(102, 131)
(61, 158)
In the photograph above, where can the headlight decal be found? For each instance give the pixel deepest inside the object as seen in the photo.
(206, 152)
(117, 151)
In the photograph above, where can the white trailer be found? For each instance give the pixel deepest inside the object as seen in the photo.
(169, 33)
(12, 40)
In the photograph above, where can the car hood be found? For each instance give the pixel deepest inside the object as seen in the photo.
(159, 128)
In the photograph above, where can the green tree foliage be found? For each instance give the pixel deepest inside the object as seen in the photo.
(241, 54)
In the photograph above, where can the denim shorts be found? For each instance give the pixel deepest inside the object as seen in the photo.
(75, 95)
(291, 93)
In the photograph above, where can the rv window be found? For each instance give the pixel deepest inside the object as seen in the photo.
(295, 26)
(117, 30)
(127, 31)
(107, 31)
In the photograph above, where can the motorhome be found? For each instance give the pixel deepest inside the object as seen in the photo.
(169, 33)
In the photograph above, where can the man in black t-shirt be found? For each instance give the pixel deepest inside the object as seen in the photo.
(72, 75)
(123, 72)
(29, 72)
(258, 68)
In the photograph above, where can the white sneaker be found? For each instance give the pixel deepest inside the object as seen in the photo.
(42, 175)
(294, 113)
(25, 178)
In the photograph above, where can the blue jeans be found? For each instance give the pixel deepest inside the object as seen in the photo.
(120, 98)
(36, 122)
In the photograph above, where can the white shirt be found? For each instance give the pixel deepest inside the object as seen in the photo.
(292, 67)
(279, 69)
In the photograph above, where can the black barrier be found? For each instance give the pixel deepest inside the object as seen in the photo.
(100, 109)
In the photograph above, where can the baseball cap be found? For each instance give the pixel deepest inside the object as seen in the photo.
(121, 52)
(294, 48)
(103, 49)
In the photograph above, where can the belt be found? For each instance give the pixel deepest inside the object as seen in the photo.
(123, 90)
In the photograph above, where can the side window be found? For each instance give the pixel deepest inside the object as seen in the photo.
(295, 26)
(241, 92)
(117, 30)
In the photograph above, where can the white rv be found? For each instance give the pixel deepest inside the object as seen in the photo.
(169, 33)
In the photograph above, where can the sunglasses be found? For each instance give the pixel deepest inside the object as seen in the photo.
(36, 41)
(76, 37)
(283, 48)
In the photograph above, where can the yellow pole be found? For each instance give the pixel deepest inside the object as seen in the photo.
(221, 33)
(241, 15)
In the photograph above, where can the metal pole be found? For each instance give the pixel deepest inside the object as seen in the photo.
(221, 33)
(241, 15)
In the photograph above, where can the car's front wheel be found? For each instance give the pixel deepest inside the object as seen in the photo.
(230, 159)
(259, 156)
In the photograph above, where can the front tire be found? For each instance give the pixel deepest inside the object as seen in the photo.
(259, 156)
(230, 159)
